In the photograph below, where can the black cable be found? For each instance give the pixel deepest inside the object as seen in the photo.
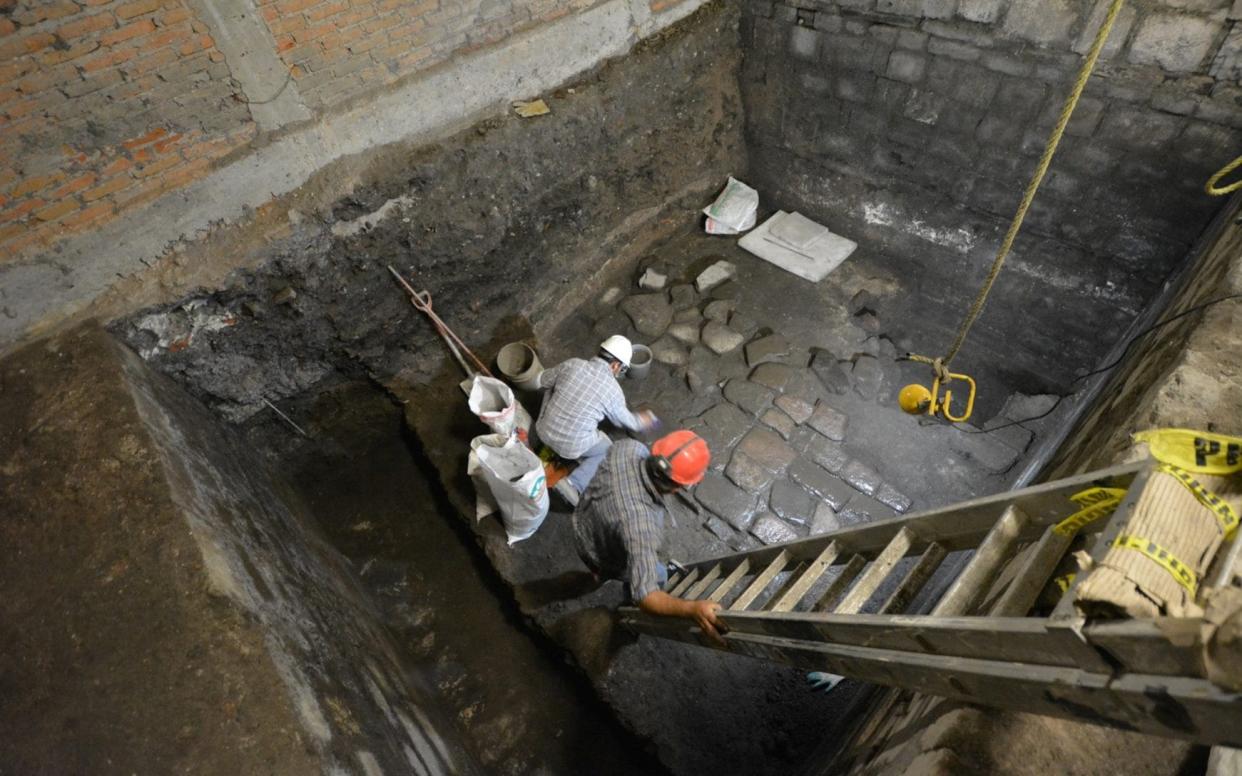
(1124, 352)
(280, 91)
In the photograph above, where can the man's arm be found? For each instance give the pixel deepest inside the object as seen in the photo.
(619, 414)
(547, 378)
(702, 612)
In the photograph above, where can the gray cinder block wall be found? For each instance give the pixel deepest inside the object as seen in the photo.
(916, 124)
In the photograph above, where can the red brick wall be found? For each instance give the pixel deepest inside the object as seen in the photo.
(104, 105)
(107, 104)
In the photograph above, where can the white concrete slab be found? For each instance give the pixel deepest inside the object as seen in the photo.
(813, 263)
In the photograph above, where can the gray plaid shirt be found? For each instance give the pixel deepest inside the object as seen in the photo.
(582, 394)
(619, 523)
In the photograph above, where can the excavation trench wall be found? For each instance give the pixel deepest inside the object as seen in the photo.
(915, 125)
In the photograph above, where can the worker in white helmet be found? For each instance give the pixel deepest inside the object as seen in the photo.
(581, 394)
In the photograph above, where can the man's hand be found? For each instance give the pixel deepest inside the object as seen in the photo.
(647, 420)
(704, 615)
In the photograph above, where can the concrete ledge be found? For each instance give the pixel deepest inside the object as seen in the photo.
(37, 294)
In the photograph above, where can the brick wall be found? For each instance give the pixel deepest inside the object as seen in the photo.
(932, 113)
(104, 106)
(107, 104)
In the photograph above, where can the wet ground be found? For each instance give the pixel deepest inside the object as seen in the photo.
(519, 706)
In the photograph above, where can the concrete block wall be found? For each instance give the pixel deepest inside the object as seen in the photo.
(107, 105)
(932, 113)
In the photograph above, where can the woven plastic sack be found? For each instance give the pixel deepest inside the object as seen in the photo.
(493, 402)
(509, 477)
(734, 211)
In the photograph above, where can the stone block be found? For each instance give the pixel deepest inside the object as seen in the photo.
(906, 66)
(650, 313)
(893, 498)
(770, 529)
(795, 407)
(791, 502)
(652, 280)
(720, 339)
(953, 49)
(682, 296)
(748, 475)
(865, 509)
(714, 276)
(685, 333)
(855, 87)
(804, 42)
(667, 350)
(832, 373)
(1007, 64)
(817, 480)
(827, 453)
(1177, 43)
(982, 11)
(771, 375)
(690, 315)
(765, 349)
(985, 450)
(611, 323)
(743, 324)
(824, 520)
(725, 500)
(767, 449)
(718, 310)
(912, 40)
(1116, 37)
(719, 528)
(867, 376)
(1046, 22)
(728, 421)
(751, 397)
(829, 421)
(778, 421)
(861, 477)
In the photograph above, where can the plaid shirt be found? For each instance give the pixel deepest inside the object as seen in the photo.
(582, 395)
(619, 523)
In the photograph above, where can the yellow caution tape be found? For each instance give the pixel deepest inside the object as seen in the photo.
(1064, 582)
(1225, 515)
(1096, 503)
(1179, 571)
(1194, 451)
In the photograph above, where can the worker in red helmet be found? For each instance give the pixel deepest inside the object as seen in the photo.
(619, 522)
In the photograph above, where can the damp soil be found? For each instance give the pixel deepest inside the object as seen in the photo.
(521, 708)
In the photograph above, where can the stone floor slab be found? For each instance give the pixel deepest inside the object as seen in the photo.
(797, 408)
(650, 313)
(772, 375)
(829, 421)
(893, 498)
(778, 421)
(791, 502)
(720, 338)
(770, 529)
(725, 500)
(767, 449)
(814, 478)
(824, 520)
(827, 453)
(861, 477)
(767, 349)
(729, 421)
(747, 474)
(751, 397)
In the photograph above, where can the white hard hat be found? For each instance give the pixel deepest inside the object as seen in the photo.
(619, 348)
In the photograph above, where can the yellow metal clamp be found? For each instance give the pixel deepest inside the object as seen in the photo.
(916, 399)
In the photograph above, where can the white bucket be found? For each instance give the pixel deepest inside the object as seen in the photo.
(640, 362)
(519, 364)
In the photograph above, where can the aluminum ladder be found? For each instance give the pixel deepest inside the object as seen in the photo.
(803, 602)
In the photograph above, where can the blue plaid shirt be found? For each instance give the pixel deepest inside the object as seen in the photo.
(619, 522)
(582, 395)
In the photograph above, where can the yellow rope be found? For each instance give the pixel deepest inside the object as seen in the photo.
(1220, 191)
(1045, 161)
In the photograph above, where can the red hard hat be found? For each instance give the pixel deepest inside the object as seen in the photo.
(682, 456)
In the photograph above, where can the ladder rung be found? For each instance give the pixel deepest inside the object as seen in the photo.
(996, 548)
(880, 568)
(673, 581)
(685, 583)
(848, 572)
(700, 587)
(730, 581)
(914, 580)
(1031, 578)
(761, 581)
(790, 598)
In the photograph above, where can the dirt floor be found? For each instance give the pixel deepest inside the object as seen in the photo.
(520, 708)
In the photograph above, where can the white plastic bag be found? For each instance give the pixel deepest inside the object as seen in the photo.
(509, 477)
(493, 402)
(734, 210)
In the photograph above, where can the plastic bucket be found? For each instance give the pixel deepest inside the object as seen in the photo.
(640, 362)
(519, 364)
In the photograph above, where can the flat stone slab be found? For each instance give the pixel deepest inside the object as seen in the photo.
(818, 481)
(690, 315)
(682, 296)
(825, 520)
(729, 421)
(685, 333)
(774, 376)
(666, 350)
(893, 498)
(720, 338)
(868, 376)
(797, 408)
(831, 372)
(791, 502)
(743, 323)
(719, 310)
(767, 449)
(770, 529)
(986, 450)
(1021, 406)
(751, 397)
(778, 422)
(714, 275)
(867, 509)
(829, 421)
(725, 500)
(652, 280)
(765, 349)
(719, 528)
(747, 474)
(861, 477)
(650, 313)
(827, 453)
